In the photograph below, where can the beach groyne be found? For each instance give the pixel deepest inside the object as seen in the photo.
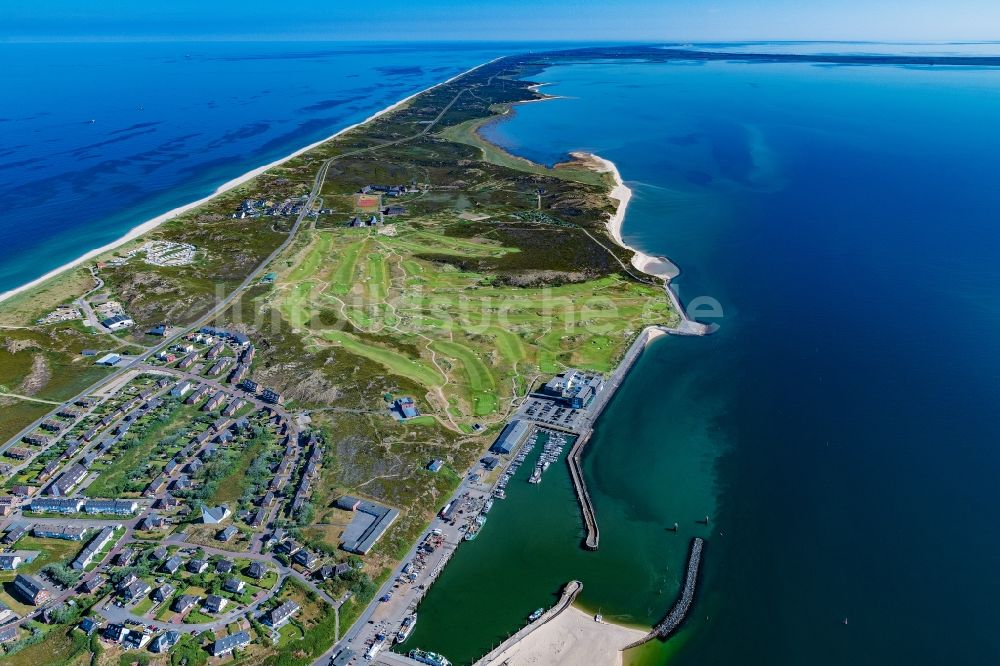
(569, 593)
(679, 611)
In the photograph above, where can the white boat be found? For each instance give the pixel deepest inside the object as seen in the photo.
(406, 627)
(375, 648)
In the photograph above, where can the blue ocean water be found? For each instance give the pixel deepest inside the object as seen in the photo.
(843, 417)
(97, 138)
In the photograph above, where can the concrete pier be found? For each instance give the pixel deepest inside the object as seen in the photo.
(495, 655)
(678, 613)
(593, 538)
(687, 326)
(611, 384)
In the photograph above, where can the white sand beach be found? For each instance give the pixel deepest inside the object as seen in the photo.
(570, 639)
(149, 225)
(657, 266)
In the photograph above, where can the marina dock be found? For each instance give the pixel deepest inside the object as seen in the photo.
(678, 613)
(496, 656)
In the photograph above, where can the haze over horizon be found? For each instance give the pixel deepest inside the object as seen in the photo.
(507, 20)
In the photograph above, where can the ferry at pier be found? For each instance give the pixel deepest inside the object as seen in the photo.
(430, 658)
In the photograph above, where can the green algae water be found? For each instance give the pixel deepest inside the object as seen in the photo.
(840, 427)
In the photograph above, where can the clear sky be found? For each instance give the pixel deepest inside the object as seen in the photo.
(507, 20)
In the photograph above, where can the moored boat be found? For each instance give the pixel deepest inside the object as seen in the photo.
(431, 658)
(406, 628)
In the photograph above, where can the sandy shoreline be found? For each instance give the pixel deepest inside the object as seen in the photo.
(151, 224)
(660, 267)
(571, 638)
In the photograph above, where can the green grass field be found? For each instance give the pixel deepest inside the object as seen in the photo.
(61, 646)
(419, 371)
(123, 462)
(345, 265)
(480, 382)
(489, 338)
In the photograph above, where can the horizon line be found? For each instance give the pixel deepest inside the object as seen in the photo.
(284, 39)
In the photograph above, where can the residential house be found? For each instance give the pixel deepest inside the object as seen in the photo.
(135, 640)
(151, 522)
(306, 559)
(124, 557)
(184, 603)
(163, 592)
(30, 589)
(56, 505)
(197, 566)
(227, 644)
(164, 642)
(279, 616)
(10, 562)
(6, 614)
(215, 604)
(271, 396)
(8, 634)
(136, 590)
(69, 479)
(181, 388)
(116, 632)
(214, 515)
(227, 534)
(64, 532)
(14, 533)
(214, 402)
(115, 507)
(172, 565)
(92, 584)
(234, 585)
(257, 570)
(258, 518)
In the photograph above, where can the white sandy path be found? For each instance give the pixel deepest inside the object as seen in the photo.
(657, 266)
(235, 182)
(571, 639)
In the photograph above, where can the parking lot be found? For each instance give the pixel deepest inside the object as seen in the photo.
(552, 413)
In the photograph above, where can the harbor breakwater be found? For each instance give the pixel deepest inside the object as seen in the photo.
(497, 654)
(592, 539)
(679, 612)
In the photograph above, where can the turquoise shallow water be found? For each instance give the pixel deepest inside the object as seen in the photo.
(839, 426)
